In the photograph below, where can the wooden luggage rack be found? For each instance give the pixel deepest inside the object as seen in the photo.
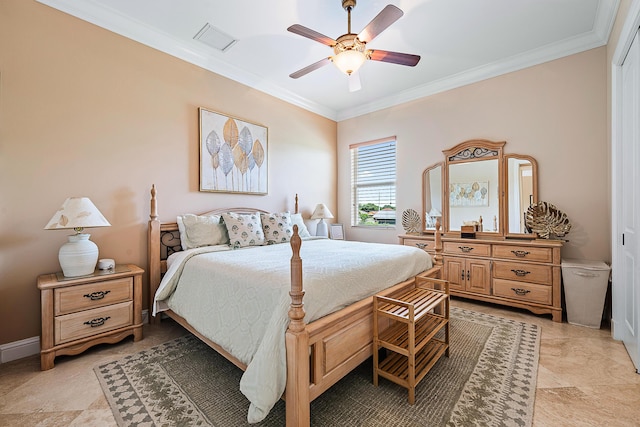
(412, 340)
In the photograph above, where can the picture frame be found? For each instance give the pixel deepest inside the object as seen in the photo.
(336, 232)
(469, 194)
(233, 154)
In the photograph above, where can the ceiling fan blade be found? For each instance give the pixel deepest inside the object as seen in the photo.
(311, 34)
(354, 82)
(394, 57)
(310, 68)
(386, 17)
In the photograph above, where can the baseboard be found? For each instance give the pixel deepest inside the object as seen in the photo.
(19, 349)
(30, 346)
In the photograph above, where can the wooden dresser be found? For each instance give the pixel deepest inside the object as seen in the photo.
(518, 273)
(80, 312)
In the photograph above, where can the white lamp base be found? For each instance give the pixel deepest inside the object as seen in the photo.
(321, 229)
(78, 257)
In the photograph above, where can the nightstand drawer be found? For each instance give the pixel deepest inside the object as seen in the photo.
(464, 248)
(522, 291)
(523, 253)
(86, 323)
(523, 272)
(427, 245)
(92, 295)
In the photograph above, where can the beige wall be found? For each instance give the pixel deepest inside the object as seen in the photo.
(556, 112)
(85, 112)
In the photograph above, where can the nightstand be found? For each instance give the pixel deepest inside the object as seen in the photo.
(80, 312)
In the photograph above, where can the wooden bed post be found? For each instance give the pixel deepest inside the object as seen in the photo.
(154, 253)
(297, 344)
(438, 244)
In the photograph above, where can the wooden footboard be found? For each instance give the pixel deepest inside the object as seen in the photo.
(320, 353)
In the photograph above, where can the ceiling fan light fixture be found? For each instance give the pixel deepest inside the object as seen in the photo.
(350, 49)
(349, 61)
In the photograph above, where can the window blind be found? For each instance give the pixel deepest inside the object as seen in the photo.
(373, 183)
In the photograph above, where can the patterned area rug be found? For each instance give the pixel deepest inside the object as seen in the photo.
(489, 380)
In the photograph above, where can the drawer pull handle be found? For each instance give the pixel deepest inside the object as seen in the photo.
(465, 249)
(95, 296)
(521, 273)
(421, 245)
(94, 323)
(520, 291)
(520, 254)
(468, 278)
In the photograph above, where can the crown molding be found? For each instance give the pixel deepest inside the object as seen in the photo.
(110, 19)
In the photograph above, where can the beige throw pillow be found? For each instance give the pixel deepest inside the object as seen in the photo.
(201, 230)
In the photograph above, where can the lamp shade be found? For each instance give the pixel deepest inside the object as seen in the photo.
(77, 213)
(434, 212)
(78, 257)
(321, 211)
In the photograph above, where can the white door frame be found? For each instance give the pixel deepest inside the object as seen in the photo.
(627, 34)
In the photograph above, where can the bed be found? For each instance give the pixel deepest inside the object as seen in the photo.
(311, 345)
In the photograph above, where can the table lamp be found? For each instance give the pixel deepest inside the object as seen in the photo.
(321, 212)
(434, 214)
(78, 257)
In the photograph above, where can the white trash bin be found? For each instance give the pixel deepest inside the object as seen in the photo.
(585, 289)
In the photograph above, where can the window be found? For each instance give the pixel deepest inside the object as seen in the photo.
(373, 183)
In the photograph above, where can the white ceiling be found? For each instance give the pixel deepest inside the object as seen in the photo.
(460, 42)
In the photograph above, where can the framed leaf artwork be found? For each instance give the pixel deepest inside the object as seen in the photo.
(233, 154)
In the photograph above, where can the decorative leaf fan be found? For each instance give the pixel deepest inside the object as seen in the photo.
(546, 220)
(350, 50)
(411, 221)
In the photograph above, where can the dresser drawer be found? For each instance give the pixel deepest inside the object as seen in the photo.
(86, 323)
(523, 272)
(529, 292)
(427, 245)
(464, 248)
(84, 297)
(523, 253)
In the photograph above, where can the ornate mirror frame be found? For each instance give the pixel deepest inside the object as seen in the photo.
(502, 184)
(472, 153)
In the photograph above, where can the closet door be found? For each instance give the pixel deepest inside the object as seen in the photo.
(629, 206)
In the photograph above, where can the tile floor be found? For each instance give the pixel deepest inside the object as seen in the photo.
(585, 378)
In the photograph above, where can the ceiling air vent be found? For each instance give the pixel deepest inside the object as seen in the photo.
(215, 38)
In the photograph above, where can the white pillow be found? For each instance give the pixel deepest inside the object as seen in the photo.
(296, 219)
(197, 231)
(277, 227)
(244, 229)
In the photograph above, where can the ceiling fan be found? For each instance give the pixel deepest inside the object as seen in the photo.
(350, 50)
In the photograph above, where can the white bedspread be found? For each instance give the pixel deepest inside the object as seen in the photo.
(240, 298)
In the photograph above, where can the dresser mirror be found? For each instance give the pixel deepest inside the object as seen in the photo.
(521, 191)
(479, 186)
(473, 195)
(432, 196)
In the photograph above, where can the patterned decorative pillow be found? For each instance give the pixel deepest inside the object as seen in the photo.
(244, 229)
(277, 227)
(201, 230)
(303, 232)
